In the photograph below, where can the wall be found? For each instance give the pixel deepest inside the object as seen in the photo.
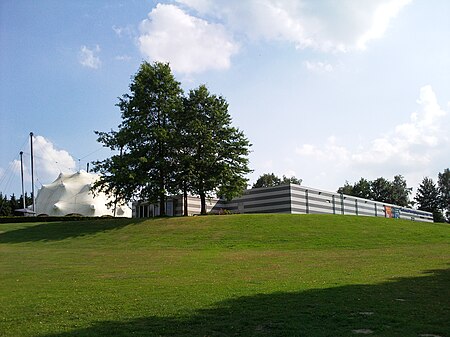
(298, 199)
(289, 198)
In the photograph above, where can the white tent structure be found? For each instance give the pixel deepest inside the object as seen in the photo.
(70, 194)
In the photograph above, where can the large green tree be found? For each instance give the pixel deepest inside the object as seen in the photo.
(270, 180)
(427, 197)
(214, 152)
(400, 191)
(444, 191)
(5, 207)
(381, 190)
(143, 165)
(267, 180)
(362, 189)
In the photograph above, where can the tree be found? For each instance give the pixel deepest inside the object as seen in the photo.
(381, 190)
(400, 191)
(5, 208)
(143, 165)
(267, 180)
(427, 198)
(270, 180)
(347, 189)
(362, 189)
(291, 180)
(14, 203)
(444, 192)
(216, 153)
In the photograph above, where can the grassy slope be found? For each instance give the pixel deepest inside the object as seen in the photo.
(225, 275)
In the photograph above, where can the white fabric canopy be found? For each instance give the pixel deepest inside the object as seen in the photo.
(70, 194)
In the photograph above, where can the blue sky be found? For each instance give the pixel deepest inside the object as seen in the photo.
(325, 90)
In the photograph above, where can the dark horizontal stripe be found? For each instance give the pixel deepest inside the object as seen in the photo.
(265, 204)
(276, 210)
(415, 212)
(269, 197)
(323, 206)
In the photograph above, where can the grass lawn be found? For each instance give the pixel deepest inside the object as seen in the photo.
(240, 275)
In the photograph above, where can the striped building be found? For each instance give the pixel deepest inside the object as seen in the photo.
(289, 198)
(175, 207)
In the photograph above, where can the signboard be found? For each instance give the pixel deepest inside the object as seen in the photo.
(392, 212)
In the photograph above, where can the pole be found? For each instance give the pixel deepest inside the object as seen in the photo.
(32, 172)
(307, 201)
(21, 175)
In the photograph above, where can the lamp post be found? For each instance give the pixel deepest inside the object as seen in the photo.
(32, 172)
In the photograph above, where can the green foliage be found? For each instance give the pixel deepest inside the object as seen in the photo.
(168, 143)
(363, 189)
(396, 192)
(427, 198)
(270, 180)
(346, 189)
(143, 168)
(444, 192)
(246, 275)
(213, 153)
(7, 206)
(381, 190)
(267, 180)
(291, 180)
(400, 191)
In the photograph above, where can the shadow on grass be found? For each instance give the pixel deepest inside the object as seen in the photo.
(417, 306)
(54, 231)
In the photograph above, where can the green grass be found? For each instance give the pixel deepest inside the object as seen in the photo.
(240, 275)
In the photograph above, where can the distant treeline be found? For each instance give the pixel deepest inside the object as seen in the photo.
(430, 197)
(8, 205)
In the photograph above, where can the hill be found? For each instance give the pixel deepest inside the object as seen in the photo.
(244, 275)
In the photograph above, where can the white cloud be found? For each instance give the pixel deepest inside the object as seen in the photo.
(414, 149)
(380, 21)
(89, 57)
(123, 57)
(318, 67)
(124, 31)
(202, 6)
(323, 25)
(331, 151)
(193, 44)
(412, 143)
(48, 162)
(189, 44)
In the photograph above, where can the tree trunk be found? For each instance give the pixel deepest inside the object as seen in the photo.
(162, 204)
(185, 201)
(203, 203)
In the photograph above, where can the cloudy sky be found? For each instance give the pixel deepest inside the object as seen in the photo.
(325, 90)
